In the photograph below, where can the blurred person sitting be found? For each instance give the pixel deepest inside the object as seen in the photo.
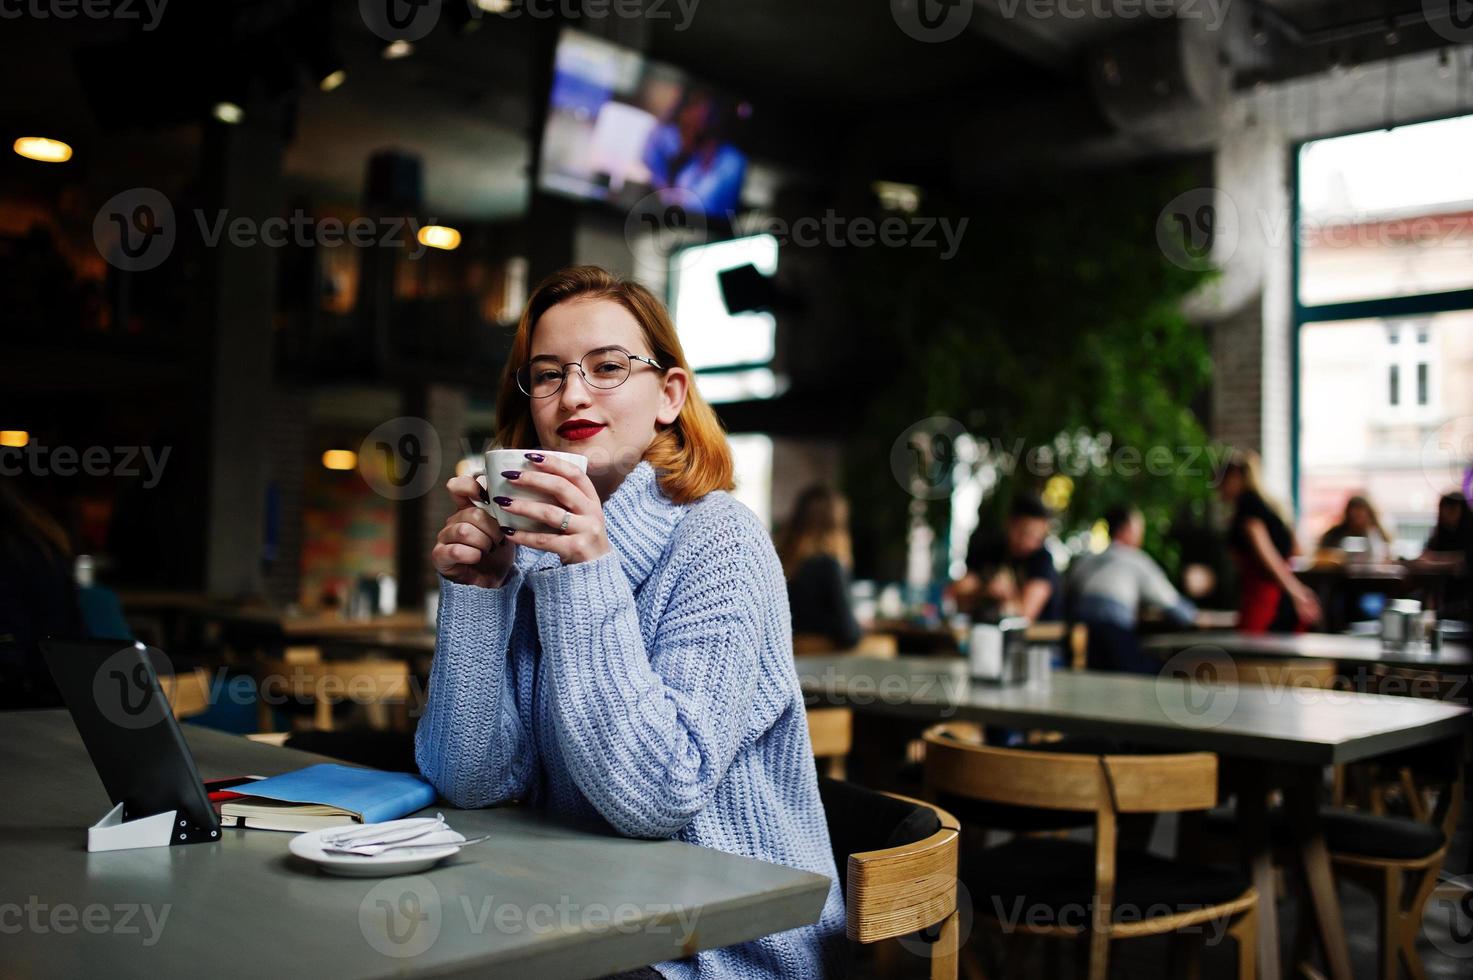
(817, 555)
(1451, 540)
(38, 598)
(1271, 598)
(1106, 590)
(1450, 548)
(1359, 521)
(1012, 575)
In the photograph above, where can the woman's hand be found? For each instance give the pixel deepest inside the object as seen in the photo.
(586, 537)
(1306, 604)
(470, 549)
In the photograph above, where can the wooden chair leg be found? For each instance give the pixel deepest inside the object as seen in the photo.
(944, 951)
(1245, 931)
(1099, 954)
(1388, 896)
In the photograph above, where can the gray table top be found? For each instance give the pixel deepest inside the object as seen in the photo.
(1290, 725)
(1317, 646)
(541, 898)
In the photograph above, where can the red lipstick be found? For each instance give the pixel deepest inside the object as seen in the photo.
(576, 430)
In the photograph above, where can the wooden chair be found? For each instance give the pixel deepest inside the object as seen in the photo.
(374, 683)
(869, 645)
(188, 692)
(897, 862)
(1398, 860)
(1119, 893)
(1270, 672)
(831, 730)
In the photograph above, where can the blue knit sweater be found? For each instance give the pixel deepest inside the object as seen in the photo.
(652, 688)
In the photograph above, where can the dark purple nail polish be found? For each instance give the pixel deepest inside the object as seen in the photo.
(501, 501)
(511, 474)
(484, 498)
(508, 531)
(535, 457)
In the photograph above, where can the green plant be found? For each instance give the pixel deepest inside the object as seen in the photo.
(1057, 324)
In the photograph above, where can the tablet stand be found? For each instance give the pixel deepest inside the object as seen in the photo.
(113, 833)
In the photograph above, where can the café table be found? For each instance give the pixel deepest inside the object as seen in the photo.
(1360, 650)
(1268, 740)
(541, 898)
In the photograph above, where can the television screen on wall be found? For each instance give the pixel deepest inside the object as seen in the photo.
(620, 128)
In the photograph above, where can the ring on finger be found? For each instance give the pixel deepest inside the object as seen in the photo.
(563, 527)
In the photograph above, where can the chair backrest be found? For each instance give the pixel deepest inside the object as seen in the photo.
(365, 681)
(831, 730)
(958, 764)
(188, 691)
(805, 644)
(898, 859)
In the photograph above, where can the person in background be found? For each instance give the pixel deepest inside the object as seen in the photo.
(1450, 547)
(38, 597)
(690, 153)
(1270, 599)
(1105, 592)
(1013, 575)
(1452, 538)
(1360, 521)
(816, 554)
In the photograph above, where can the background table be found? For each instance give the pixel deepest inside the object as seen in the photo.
(1271, 740)
(1453, 657)
(538, 899)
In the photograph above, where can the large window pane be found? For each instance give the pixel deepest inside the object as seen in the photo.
(1387, 411)
(1387, 213)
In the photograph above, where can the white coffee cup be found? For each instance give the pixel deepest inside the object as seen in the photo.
(500, 460)
(984, 651)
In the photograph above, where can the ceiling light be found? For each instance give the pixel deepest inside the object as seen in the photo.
(395, 50)
(14, 438)
(228, 112)
(340, 459)
(332, 80)
(439, 236)
(43, 149)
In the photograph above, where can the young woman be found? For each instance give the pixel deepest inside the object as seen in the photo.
(1360, 521)
(635, 665)
(816, 556)
(1271, 598)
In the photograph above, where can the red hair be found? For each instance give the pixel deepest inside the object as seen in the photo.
(690, 454)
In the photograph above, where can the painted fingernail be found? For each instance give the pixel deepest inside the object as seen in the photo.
(508, 531)
(483, 491)
(511, 474)
(535, 457)
(501, 501)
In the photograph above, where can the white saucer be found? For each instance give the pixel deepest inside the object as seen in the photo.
(403, 861)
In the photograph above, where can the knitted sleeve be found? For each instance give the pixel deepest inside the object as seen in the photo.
(648, 730)
(472, 742)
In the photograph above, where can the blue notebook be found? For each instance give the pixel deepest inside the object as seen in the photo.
(326, 795)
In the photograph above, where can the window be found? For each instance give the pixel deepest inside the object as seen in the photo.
(731, 354)
(1384, 320)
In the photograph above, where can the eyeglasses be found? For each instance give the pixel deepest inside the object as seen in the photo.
(604, 368)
